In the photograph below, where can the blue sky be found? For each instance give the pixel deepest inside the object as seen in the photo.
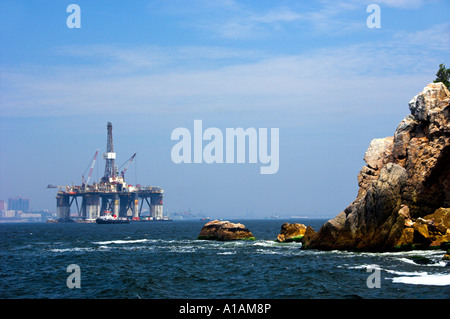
(313, 69)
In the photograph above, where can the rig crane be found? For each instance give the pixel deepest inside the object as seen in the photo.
(128, 164)
(92, 164)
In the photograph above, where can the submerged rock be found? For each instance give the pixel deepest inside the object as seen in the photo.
(404, 188)
(224, 230)
(420, 260)
(447, 255)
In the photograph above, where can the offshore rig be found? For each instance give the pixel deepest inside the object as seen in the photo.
(111, 196)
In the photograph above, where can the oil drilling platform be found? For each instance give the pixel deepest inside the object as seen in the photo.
(111, 196)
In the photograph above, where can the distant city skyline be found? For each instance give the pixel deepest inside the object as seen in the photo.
(16, 203)
(316, 71)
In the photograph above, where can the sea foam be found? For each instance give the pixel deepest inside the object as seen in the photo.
(120, 241)
(433, 280)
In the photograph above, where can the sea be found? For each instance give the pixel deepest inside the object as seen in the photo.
(165, 260)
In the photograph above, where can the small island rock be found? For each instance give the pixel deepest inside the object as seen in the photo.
(225, 230)
(292, 232)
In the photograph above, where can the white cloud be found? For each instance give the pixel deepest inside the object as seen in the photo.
(277, 15)
(247, 23)
(401, 4)
(154, 80)
(435, 38)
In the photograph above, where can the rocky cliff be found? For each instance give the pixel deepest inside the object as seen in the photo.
(404, 188)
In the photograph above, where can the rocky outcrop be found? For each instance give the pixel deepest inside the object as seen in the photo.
(309, 234)
(431, 231)
(404, 188)
(295, 233)
(291, 232)
(224, 230)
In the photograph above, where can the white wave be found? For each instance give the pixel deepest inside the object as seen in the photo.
(365, 266)
(283, 252)
(273, 243)
(407, 260)
(431, 280)
(121, 241)
(233, 243)
(440, 263)
(269, 252)
(227, 253)
(63, 250)
(374, 266)
(423, 253)
(266, 243)
(178, 249)
(406, 273)
(122, 247)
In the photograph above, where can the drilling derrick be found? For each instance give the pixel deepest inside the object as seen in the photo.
(109, 156)
(112, 197)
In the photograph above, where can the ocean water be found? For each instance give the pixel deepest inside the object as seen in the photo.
(164, 260)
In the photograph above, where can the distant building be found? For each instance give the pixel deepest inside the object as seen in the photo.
(2, 205)
(30, 215)
(8, 214)
(19, 204)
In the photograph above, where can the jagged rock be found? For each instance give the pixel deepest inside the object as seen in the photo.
(375, 156)
(421, 234)
(409, 223)
(291, 232)
(404, 210)
(446, 245)
(427, 107)
(420, 260)
(429, 231)
(406, 239)
(224, 230)
(295, 232)
(406, 177)
(440, 217)
(309, 233)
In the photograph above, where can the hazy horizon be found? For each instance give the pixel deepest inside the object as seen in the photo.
(313, 70)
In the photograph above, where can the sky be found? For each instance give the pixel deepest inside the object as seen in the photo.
(312, 69)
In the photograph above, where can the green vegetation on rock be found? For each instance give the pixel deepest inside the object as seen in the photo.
(443, 75)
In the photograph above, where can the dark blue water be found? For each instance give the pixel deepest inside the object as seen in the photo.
(165, 260)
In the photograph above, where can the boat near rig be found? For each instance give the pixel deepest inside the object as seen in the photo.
(112, 200)
(112, 219)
